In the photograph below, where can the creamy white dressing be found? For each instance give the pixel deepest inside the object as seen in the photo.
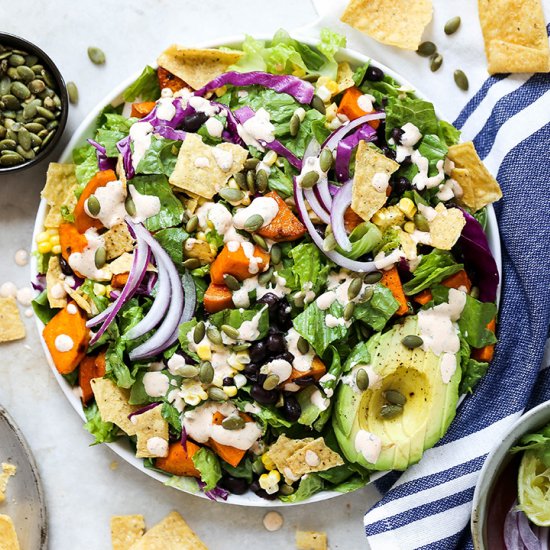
(214, 127)
(147, 206)
(140, 134)
(111, 199)
(84, 262)
(175, 364)
(383, 261)
(319, 400)
(309, 294)
(21, 257)
(72, 309)
(421, 237)
(254, 262)
(166, 109)
(201, 162)
(365, 102)
(369, 445)
(257, 127)
(241, 297)
(273, 521)
(58, 291)
(220, 217)
(249, 329)
(331, 321)
(380, 181)
(447, 367)
(312, 458)
(448, 190)
(202, 105)
(25, 295)
(8, 289)
(156, 384)
(311, 164)
(223, 158)
(422, 180)
(326, 300)
(280, 367)
(279, 289)
(199, 425)
(411, 135)
(266, 207)
(157, 446)
(302, 361)
(63, 343)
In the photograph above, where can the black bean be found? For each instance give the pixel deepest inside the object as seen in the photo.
(291, 408)
(374, 74)
(276, 343)
(407, 161)
(286, 356)
(397, 134)
(283, 318)
(228, 381)
(388, 152)
(65, 267)
(305, 380)
(235, 485)
(271, 300)
(400, 185)
(251, 372)
(192, 123)
(265, 397)
(257, 351)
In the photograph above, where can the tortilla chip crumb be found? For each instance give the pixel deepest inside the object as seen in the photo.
(446, 227)
(311, 540)
(55, 277)
(113, 405)
(397, 23)
(117, 241)
(8, 536)
(344, 77)
(11, 325)
(126, 531)
(8, 470)
(59, 190)
(148, 425)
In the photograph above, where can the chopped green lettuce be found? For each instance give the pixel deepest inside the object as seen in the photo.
(236, 317)
(309, 485)
(421, 113)
(208, 464)
(377, 311)
(146, 87)
(183, 483)
(310, 266)
(538, 442)
(364, 239)
(160, 157)
(42, 309)
(472, 372)
(172, 240)
(104, 432)
(432, 269)
(115, 366)
(85, 159)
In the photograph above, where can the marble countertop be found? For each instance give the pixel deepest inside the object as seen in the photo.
(85, 485)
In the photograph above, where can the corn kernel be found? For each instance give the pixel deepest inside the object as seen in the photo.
(230, 391)
(99, 290)
(54, 239)
(56, 249)
(267, 462)
(42, 237)
(322, 80)
(204, 352)
(44, 247)
(264, 482)
(331, 112)
(386, 217)
(270, 158)
(240, 380)
(192, 400)
(274, 475)
(220, 91)
(332, 86)
(408, 207)
(200, 235)
(409, 227)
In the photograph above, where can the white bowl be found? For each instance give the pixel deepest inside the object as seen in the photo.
(86, 130)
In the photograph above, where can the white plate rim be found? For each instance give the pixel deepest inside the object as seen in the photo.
(122, 447)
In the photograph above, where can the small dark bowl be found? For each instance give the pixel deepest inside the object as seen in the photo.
(20, 43)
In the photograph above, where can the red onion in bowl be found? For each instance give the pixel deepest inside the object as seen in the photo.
(316, 206)
(341, 201)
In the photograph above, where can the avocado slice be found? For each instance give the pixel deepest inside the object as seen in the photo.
(429, 409)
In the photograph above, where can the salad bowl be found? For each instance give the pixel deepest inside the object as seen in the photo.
(85, 131)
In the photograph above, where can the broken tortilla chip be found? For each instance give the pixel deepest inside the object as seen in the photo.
(397, 23)
(284, 448)
(172, 533)
(126, 531)
(59, 191)
(315, 456)
(113, 405)
(149, 425)
(204, 170)
(370, 165)
(11, 325)
(76, 295)
(117, 241)
(197, 67)
(446, 227)
(57, 295)
(8, 536)
(514, 32)
(311, 540)
(8, 470)
(479, 187)
(344, 77)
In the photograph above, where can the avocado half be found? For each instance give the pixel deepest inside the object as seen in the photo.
(427, 413)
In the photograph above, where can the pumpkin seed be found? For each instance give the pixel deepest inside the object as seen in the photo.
(412, 341)
(251, 181)
(329, 243)
(29, 111)
(15, 60)
(258, 466)
(233, 423)
(325, 160)
(231, 282)
(461, 80)
(7, 144)
(5, 84)
(395, 397)
(318, 104)
(348, 311)
(49, 104)
(72, 90)
(2, 132)
(11, 159)
(48, 138)
(24, 138)
(367, 294)
(25, 73)
(265, 277)
(217, 394)
(19, 90)
(48, 78)
(421, 222)
(271, 382)
(276, 254)
(286, 490)
(241, 347)
(309, 180)
(46, 113)
(435, 62)
(12, 73)
(130, 206)
(426, 49)
(365, 331)
(52, 124)
(199, 332)
(191, 263)
(31, 60)
(188, 371)
(56, 101)
(230, 331)
(96, 55)
(37, 86)
(362, 379)
(11, 102)
(451, 26)
(295, 123)
(100, 257)
(261, 181)
(41, 120)
(35, 140)
(250, 164)
(231, 195)
(372, 277)
(240, 178)
(302, 345)
(9, 114)
(254, 222)
(355, 287)
(192, 224)
(214, 335)
(390, 411)
(260, 241)
(206, 372)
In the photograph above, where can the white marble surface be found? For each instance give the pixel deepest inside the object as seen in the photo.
(82, 490)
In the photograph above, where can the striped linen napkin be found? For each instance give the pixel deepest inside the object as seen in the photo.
(508, 119)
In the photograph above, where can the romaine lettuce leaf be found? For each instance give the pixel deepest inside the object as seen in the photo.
(104, 432)
(236, 317)
(364, 238)
(42, 309)
(172, 240)
(85, 159)
(378, 310)
(472, 372)
(432, 269)
(309, 485)
(146, 87)
(208, 464)
(160, 157)
(538, 442)
(417, 111)
(310, 266)
(184, 330)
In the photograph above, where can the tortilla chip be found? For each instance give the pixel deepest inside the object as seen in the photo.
(126, 531)
(148, 425)
(123, 264)
(311, 540)
(8, 536)
(315, 450)
(344, 77)
(113, 405)
(366, 200)
(117, 241)
(81, 302)
(515, 36)
(11, 326)
(397, 23)
(8, 470)
(59, 190)
(446, 227)
(172, 533)
(197, 67)
(119, 170)
(284, 448)
(207, 180)
(54, 276)
(479, 187)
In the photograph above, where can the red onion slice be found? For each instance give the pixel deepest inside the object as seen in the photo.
(282, 151)
(530, 540)
(544, 536)
(512, 538)
(316, 206)
(342, 261)
(190, 293)
(341, 201)
(332, 141)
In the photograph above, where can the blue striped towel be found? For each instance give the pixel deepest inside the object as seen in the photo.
(429, 505)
